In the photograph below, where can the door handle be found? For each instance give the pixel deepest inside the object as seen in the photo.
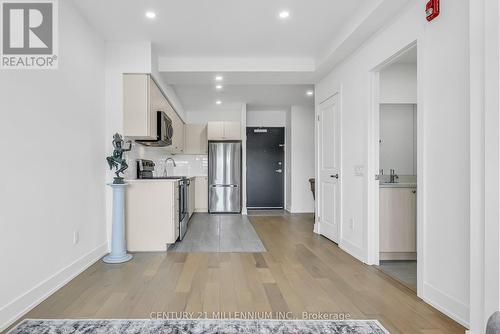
(336, 176)
(279, 170)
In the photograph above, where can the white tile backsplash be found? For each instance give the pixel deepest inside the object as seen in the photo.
(187, 165)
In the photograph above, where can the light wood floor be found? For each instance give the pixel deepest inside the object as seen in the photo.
(301, 272)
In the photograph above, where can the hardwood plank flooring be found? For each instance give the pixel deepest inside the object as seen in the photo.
(300, 272)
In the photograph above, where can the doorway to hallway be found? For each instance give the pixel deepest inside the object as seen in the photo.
(265, 167)
(395, 146)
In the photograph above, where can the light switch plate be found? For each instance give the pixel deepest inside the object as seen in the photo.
(359, 170)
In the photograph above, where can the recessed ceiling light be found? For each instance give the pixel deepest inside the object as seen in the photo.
(150, 15)
(219, 78)
(218, 87)
(284, 14)
(218, 102)
(310, 93)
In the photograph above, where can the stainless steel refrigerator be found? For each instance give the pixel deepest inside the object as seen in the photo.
(224, 177)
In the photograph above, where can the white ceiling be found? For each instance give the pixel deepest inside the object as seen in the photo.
(264, 60)
(203, 97)
(223, 28)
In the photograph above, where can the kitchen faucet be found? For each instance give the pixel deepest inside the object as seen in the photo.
(165, 165)
(393, 176)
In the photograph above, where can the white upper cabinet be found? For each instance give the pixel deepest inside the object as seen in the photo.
(139, 104)
(195, 139)
(142, 99)
(232, 131)
(178, 140)
(215, 130)
(224, 131)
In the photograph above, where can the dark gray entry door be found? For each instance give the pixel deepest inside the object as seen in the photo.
(265, 168)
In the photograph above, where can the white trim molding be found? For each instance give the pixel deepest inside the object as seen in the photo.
(446, 304)
(26, 302)
(484, 136)
(353, 250)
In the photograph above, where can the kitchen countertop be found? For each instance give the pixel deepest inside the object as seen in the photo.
(398, 185)
(152, 180)
(155, 180)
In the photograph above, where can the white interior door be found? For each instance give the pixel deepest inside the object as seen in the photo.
(329, 170)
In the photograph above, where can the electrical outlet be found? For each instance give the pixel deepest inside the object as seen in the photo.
(76, 237)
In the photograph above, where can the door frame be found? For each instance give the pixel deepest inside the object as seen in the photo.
(372, 235)
(317, 144)
(284, 168)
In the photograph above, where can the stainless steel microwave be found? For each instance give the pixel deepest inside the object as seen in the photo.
(164, 132)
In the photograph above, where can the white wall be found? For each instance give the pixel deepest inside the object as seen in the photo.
(269, 118)
(52, 135)
(398, 138)
(398, 84)
(443, 115)
(302, 158)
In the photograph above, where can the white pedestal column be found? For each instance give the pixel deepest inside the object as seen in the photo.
(118, 249)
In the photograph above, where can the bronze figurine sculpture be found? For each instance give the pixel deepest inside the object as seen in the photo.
(116, 160)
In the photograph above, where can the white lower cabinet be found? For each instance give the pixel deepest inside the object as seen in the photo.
(398, 223)
(201, 197)
(151, 214)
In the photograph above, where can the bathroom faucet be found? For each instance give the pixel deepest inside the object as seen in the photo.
(393, 176)
(165, 165)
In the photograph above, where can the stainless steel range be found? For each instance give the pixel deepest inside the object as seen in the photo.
(145, 171)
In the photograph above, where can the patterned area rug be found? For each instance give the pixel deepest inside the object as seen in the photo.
(198, 326)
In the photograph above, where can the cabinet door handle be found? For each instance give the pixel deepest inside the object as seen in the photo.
(336, 176)
(414, 191)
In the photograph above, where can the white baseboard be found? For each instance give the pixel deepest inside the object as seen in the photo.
(453, 308)
(316, 227)
(26, 302)
(397, 256)
(292, 210)
(352, 249)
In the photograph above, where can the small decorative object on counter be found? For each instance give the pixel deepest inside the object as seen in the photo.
(116, 160)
